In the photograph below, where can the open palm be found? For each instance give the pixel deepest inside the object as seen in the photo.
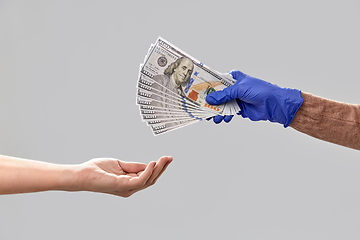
(108, 175)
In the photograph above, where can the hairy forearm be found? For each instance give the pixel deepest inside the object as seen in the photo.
(23, 176)
(329, 120)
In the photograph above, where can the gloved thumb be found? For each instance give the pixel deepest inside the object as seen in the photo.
(220, 97)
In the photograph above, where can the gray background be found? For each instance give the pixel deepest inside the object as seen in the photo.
(68, 72)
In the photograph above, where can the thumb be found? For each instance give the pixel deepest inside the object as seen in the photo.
(220, 97)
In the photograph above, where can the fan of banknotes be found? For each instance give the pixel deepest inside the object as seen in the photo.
(172, 87)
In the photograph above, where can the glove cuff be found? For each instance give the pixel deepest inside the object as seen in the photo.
(292, 102)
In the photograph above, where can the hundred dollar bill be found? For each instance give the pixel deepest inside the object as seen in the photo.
(183, 74)
(150, 85)
(226, 78)
(151, 114)
(172, 87)
(143, 105)
(166, 101)
(152, 104)
(166, 127)
(149, 111)
(163, 101)
(170, 121)
(145, 88)
(163, 114)
(167, 118)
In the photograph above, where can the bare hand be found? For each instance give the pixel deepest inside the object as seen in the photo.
(108, 175)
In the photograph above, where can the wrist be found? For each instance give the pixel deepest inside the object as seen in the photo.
(294, 102)
(68, 178)
(287, 103)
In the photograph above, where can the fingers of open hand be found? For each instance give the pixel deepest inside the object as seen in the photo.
(145, 178)
(139, 182)
(132, 167)
(160, 167)
(158, 170)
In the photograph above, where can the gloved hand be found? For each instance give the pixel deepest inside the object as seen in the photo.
(258, 100)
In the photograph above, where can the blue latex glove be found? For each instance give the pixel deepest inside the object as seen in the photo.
(258, 100)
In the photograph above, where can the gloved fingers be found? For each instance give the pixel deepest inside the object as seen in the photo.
(237, 75)
(220, 97)
(228, 118)
(218, 118)
(229, 93)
